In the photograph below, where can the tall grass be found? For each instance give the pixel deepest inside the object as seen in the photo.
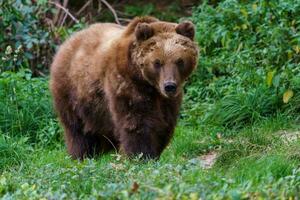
(243, 108)
(26, 109)
(13, 151)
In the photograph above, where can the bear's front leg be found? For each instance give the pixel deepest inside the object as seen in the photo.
(138, 137)
(138, 126)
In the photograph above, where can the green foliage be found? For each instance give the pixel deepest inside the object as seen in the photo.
(25, 40)
(243, 108)
(26, 109)
(242, 103)
(29, 37)
(13, 151)
(261, 34)
(170, 13)
(265, 167)
(293, 106)
(249, 64)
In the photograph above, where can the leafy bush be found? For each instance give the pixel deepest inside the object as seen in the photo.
(26, 40)
(29, 37)
(26, 109)
(171, 12)
(249, 64)
(236, 36)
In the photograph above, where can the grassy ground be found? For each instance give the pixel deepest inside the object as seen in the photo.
(239, 129)
(259, 161)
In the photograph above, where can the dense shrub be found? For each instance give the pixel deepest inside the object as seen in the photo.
(30, 35)
(26, 40)
(249, 64)
(171, 12)
(241, 36)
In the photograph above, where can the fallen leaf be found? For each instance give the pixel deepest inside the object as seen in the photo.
(135, 187)
(270, 76)
(288, 95)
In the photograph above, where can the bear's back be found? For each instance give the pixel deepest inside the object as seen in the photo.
(79, 60)
(82, 47)
(76, 82)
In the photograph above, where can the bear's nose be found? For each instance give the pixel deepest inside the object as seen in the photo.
(170, 87)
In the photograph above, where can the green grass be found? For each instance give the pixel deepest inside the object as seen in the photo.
(26, 108)
(13, 151)
(257, 159)
(233, 107)
(253, 162)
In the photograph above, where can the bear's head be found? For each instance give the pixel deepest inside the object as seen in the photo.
(165, 54)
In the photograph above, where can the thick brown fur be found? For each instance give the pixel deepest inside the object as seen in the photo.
(108, 84)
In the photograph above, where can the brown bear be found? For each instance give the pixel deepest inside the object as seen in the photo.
(121, 87)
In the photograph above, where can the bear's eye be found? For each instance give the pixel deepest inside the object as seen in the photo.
(180, 63)
(157, 64)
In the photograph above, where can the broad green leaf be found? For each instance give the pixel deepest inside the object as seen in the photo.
(288, 95)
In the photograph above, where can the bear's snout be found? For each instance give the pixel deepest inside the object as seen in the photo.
(170, 87)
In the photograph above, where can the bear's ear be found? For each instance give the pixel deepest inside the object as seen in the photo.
(143, 31)
(186, 29)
